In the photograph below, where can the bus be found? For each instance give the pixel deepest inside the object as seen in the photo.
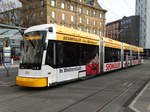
(51, 54)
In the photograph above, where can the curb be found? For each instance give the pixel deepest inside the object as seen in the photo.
(12, 66)
(127, 104)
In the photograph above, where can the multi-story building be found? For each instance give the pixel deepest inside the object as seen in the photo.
(113, 29)
(125, 30)
(142, 9)
(130, 30)
(84, 15)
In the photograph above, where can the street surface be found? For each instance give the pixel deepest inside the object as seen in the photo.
(142, 102)
(111, 92)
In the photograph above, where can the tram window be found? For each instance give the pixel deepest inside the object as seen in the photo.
(91, 53)
(88, 53)
(50, 54)
(68, 54)
(126, 55)
(134, 55)
(74, 54)
(112, 55)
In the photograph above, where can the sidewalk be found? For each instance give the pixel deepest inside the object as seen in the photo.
(8, 79)
(142, 102)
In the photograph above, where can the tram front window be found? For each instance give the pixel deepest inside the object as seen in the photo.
(32, 50)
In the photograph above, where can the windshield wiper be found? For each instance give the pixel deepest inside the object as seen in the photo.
(32, 44)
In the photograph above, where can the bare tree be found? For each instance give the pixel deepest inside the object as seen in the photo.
(9, 14)
(32, 16)
(28, 15)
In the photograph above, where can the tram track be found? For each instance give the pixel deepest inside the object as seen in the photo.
(97, 92)
(114, 99)
(128, 84)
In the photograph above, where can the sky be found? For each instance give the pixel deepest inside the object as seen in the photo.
(118, 8)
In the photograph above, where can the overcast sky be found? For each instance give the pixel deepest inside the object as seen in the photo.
(118, 8)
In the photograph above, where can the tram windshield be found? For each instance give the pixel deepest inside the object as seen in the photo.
(32, 50)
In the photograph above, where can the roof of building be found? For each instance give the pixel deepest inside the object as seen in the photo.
(119, 20)
(90, 3)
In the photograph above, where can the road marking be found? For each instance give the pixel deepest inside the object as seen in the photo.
(136, 99)
(130, 84)
(7, 84)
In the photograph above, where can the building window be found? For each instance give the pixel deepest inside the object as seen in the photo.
(87, 12)
(71, 8)
(52, 3)
(87, 30)
(63, 16)
(80, 10)
(87, 21)
(62, 5)
(80, 28)
(80, 19)
(100, 15)
(72, 18)
(94, 22)
(100, 33)
(42, 13)
(94, 31)
(53, 14)
(42, 3)
(100, 24)
(94, 13)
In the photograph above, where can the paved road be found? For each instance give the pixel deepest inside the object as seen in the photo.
(111, 92)
(141, 103)
(8, 79)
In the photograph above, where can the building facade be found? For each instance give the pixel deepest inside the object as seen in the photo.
(113, 29)
(84, 15)
(130, 27)
(125, 30)
(142, 9)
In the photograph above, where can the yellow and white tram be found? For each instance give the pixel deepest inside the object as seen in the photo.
(52, 54)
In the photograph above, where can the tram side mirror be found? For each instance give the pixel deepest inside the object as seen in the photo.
(21, 31)
(50, 29)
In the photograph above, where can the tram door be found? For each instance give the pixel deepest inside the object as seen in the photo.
(126, 62)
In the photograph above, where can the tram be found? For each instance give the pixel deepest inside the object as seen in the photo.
(51, 54)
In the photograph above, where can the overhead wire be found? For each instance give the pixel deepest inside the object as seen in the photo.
(125, 1)
(115, 14)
